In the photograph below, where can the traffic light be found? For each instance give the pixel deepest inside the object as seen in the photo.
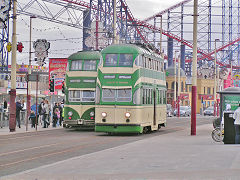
(52, 84)
(20, 47)
(9, 47)
(63, 87)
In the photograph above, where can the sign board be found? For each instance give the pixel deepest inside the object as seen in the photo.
(57, 67)
(189, 80)
(231, 101)
(33, 77)
(41, 47)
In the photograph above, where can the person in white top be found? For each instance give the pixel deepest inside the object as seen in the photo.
(236, 116)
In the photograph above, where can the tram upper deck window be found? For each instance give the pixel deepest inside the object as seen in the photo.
(111, 60)
(126, 60)
(76, 65)
(89, 65)
(139, 61)
(88, 96)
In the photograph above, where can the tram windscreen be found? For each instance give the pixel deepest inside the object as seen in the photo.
(81, 96)
(88, 96)
(108, 95)
(116, 95)
(124, 95)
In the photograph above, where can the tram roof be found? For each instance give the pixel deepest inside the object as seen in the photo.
(80, 55)
(129, 48)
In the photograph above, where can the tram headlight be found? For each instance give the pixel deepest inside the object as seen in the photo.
(127, 114)
(104, 114)
(70, 113)
(92, 113)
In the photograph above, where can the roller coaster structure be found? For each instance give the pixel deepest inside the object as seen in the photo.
(218, 19)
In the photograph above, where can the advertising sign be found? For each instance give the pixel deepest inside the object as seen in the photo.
(231, 102)
(57, 68)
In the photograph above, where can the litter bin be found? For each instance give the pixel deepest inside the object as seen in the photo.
(229, 130)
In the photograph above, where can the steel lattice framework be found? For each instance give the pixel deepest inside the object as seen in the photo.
(218, 19)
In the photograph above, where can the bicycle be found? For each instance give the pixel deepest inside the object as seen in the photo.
(218, 134)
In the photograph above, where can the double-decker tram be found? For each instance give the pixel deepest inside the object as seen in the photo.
(80, 92)
(131, 90)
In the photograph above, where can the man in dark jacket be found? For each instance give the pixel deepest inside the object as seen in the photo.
(18, 109)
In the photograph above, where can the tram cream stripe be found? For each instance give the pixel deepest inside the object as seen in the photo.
(82, 74)
(90, 89)
(122, 70)
(150, 80)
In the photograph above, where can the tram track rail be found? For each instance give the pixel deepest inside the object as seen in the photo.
(16, 158)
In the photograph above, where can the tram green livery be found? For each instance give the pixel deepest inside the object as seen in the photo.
(131, 90)
(80, 91)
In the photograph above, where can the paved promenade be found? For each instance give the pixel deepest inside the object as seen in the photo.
(175, 155)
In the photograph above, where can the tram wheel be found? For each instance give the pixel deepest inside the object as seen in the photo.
(145, 130)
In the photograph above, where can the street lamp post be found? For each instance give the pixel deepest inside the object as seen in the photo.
(114, 22)
(215, 77)
(194, 70)
(179, 85)
(12, 120)
(175, 81)
(29, 72)
(160, 44)
(218, 88)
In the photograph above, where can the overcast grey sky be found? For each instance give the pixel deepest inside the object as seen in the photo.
(57, 34)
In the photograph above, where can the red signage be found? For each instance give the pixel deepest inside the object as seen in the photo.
(184, 96)
(57, 67)
(206, 97)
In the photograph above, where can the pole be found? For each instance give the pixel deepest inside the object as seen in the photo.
(97, 32)
(29, 72)
(37, 102)
(160, 48)
(194, 70)
(215, 80)
(175, 81)
(12, 120)
(231, 74)
(114, 22)
(218, 90)
(178, 99)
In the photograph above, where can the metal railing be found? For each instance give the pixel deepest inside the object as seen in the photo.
(4, 118)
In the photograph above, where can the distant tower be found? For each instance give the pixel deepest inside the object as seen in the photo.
(4, 34)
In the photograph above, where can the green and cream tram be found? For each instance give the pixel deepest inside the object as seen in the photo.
(131, 90)
(80, 92)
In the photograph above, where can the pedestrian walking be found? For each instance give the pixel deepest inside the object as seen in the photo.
(236, 116)
(32, 118)
(41, 112)
(18, 109)
(56, 115)
(45, 114)
(33, 108)
(60, 111)
(5, 105)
